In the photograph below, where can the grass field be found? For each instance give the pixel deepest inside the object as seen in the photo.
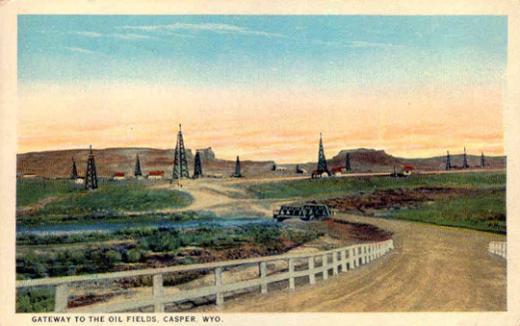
(327, 187)
(485, 212)
(484, 208)
(30, 191)
(111, 198)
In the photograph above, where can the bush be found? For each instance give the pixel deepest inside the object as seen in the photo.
(132, 256)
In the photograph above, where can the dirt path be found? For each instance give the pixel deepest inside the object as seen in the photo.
(433, 268)
(222, 198)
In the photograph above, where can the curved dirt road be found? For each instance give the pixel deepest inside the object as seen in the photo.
(433, 268)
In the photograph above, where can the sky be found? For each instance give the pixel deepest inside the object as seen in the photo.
(263, 87)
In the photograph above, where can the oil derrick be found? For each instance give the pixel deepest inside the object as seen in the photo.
(347, 162)
(137, 169)
(197, 169)
(91, 175)
(482, 160)
(74, 170)
(448, 161)
(322, 162)
(465, 164)
(180, 162)
(237, 173)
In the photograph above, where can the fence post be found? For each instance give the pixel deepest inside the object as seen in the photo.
(218, 285)
(263, 275)
(61, 298)
(353, 259)
(291, 273)
(343, 258)
(335, 263)
(325, 267)
(158, 292)
(312, 277)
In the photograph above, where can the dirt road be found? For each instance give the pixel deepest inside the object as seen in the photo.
(433, 268)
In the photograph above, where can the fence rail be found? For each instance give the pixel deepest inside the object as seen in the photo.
(345, 258)
(498, 248)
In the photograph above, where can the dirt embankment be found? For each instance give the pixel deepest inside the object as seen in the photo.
(366, 203)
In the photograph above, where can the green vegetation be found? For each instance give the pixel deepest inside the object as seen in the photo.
(110, 201)
(131, 197)
(329, 187)
(35, 300)
(141, 245)
(485, 211)
(30, 191)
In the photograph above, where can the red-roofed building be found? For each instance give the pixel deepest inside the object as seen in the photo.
(408, 169)
(337, 171)
(157, 174)
(118, 176)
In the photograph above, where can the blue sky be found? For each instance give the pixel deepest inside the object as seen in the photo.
(329, 51)
(251, 85)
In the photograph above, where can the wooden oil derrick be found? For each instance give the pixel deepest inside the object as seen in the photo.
(137, 169)
(74, 170)
(91, 181)
(180, 162)
(347, 162)
(448, 161)
(197, 169)
(322, 161)
(465, 164)
(482, 160)
(237, 173)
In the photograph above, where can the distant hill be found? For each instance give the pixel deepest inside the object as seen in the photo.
(110, 160)
(57, 164)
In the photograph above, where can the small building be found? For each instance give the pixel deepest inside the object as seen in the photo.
(79, 180)
(281, 168)
(338, 171)
(118, 176)
(315, 174)
(29, 175)
(155, 175)
(408, 169)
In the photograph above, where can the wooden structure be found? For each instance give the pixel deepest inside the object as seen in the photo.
(498, 248)
(305, 212)
(331, 262)
(91, 181)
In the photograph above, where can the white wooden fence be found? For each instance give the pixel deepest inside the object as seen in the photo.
(334, 260)
(498, 248)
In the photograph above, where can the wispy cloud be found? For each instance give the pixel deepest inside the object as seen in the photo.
(88, 34)
(121, 36)
(207, 27)
(365, 44)
(80, 50)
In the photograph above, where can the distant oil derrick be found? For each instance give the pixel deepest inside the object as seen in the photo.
(91, 181)
(197, 169)
(347, 162)
(237, 173)
(137, 169)
(482, 160)
(74, 170)
(180, 162)
(448, 161)
(465, 164)
(322, 161)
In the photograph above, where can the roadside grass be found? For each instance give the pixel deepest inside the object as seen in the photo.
(485, 212)
(327, 187)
